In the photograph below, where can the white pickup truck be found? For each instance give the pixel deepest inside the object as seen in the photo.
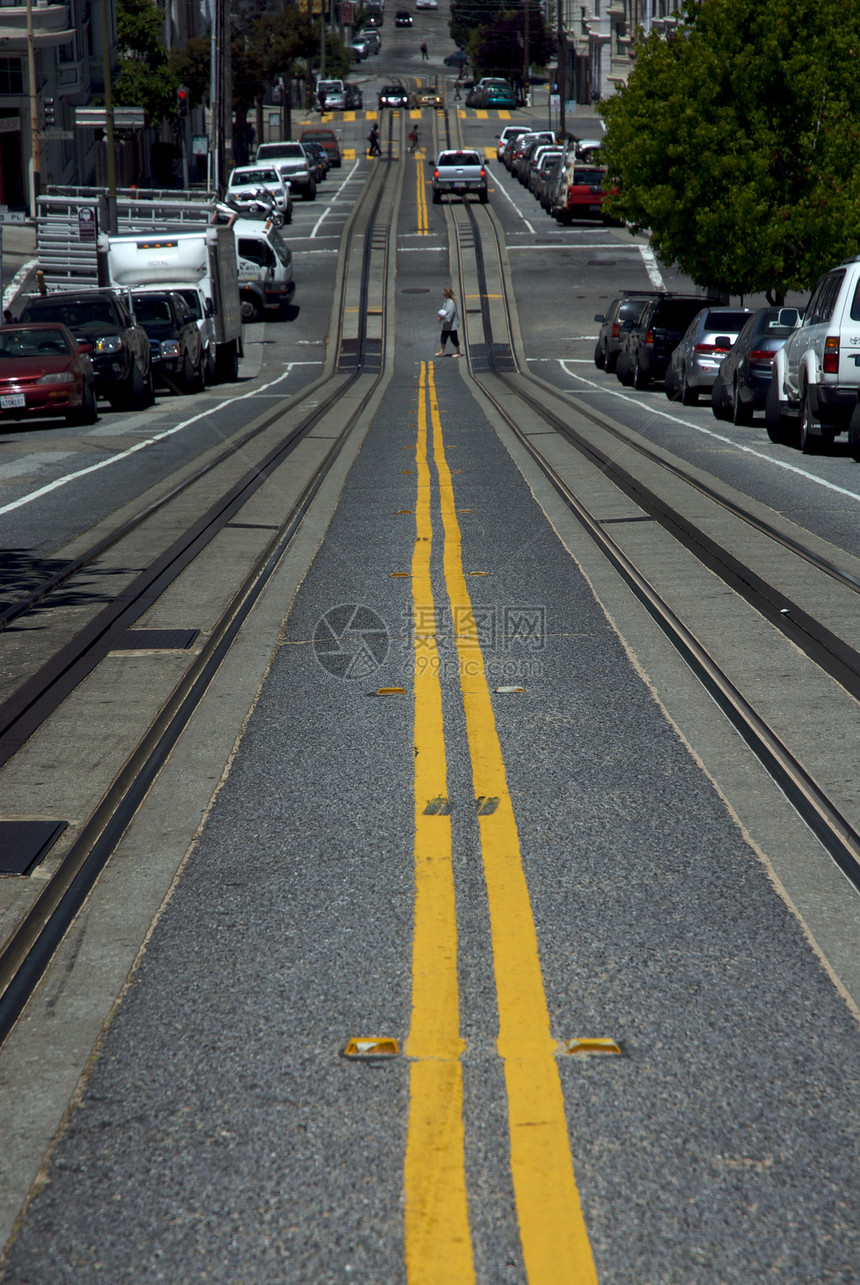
(459, 173)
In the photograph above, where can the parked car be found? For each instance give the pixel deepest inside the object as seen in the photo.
(620, 316)
(582, 195)
(403, 18)
(509, 132)
(536, 159)
(245, 180)
(548, 182)
(359, 48)
(373, 38)
(426, 98)
(318, 160)
(458, 58)
(705, 343)
(649, 343)
(44, 371)
(740, 388)
(541, 171)
(293, 164)
(393, 96)
(177, 352)
(354, 97)
(814, 392)
(497, 94)
(120, 347)
(329, 140)
(335, 95)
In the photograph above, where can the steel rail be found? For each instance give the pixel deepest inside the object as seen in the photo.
(823, 818)
(27, 953)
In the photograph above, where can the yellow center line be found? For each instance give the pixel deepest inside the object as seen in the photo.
(438, 1245)
(554, 1239)
(421, 197)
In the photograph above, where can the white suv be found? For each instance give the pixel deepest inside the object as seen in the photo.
(814, 392)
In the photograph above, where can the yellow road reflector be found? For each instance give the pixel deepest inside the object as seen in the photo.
(391, 691)
(509, 689)
(456, 470)
(465, 510)
(398, 575)
(407, 470)
(372, 1046)
(403, 512)
(478, 573)
(598, 1045)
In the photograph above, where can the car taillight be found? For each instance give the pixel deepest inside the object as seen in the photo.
(709, 348)
(435, 173)
(616, 330)
(649, 338)
(830, 365)
(761, 354)
(483, 173)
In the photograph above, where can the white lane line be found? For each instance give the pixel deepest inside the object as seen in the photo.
(654, 274)
(335, 195)
(578, 245)
(709, 432)
(139, 446)
(499, 188)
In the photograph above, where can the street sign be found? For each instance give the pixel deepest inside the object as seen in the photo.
(88, 223)
(12, 216)
(54, 135)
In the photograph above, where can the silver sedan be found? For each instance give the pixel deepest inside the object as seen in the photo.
(694, 364)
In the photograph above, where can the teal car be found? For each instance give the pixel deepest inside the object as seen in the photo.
(498, 94)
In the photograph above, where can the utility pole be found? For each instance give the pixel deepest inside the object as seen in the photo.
(109, 139)
(34, 110)
(526, 55)
(562, 72)
(322, 40)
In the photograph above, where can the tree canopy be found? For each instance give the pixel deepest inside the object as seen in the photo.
(144, 78)
(493, 33)
(736, 140)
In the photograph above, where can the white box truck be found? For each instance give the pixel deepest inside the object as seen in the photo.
(200, 265)
(265, 267)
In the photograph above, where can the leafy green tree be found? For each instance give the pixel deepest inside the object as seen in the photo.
(498, 49)
(144, 78)
(736, 141)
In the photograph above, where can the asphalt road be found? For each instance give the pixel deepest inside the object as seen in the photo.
(220, 1135)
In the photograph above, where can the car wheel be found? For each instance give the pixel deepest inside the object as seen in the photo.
(250, 308)
(437, 197)
(131, 395)
(310, 192)
(599, 357)
(742, 415)
(640, 380)
(778, 428)
(187, 379)
(483, 197)
(199, 378)
(87, 413)
(211, 365)
(689, 396)
(854, 434)
(227, 363)
(810, 443)
(670, 388)
(611, 362)
(622, 370)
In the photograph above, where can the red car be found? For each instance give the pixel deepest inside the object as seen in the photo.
(43, 371)
(585, 195)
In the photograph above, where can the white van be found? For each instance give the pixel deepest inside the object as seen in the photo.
(246, 178)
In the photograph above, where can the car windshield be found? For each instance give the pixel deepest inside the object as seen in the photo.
(192, 302)
(246, 177)
(728, 321)
(74, 315)
(588, 178)
(281, 151)
(459, 158)
(23, 342)
(151, 309)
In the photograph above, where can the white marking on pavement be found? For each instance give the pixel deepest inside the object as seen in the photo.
(139, 446)
(709, 432)
(499, 188)
(654, 274)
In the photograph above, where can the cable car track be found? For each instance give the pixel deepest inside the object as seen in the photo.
(476, 237)
(30, 945)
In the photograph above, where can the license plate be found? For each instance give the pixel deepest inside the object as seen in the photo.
(594, 209)
(459, 187)
(10, 400)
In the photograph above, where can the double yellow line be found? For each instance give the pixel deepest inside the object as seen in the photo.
(554, 1240)
(421, 195)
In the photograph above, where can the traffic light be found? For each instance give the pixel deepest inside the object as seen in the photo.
(182, 100)
(48, 113)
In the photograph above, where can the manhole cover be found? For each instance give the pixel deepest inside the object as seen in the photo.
(416, 290)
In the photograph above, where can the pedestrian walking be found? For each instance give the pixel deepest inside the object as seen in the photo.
(450, 319)
(424, 53)
(413, 138)
(373, 140)
(458, 97)
(321, 97)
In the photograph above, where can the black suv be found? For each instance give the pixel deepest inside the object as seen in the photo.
(650, 342)
(177, 351)
(620, 316)
(120, 356)
(393, 96)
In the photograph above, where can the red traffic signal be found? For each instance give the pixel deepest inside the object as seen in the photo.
(182, 100)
